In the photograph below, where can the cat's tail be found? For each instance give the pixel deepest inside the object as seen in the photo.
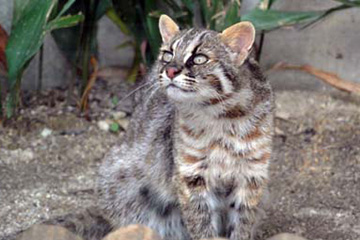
(90, 224)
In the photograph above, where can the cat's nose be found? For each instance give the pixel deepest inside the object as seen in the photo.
(171, 72)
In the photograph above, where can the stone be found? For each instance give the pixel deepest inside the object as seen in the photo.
(214, 239)
(133, 232)
(124, 123)
(119, 115)
(48, 232)
(286, 236)
(46, 132)
(103, 125)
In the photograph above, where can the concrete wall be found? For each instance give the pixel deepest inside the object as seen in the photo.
(332, 45)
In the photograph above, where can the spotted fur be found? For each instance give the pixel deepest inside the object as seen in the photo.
(194, 162)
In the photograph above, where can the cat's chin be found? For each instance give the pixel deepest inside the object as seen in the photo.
(178, 95)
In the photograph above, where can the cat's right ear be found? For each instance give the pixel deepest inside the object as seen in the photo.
(168, 28)
(239, 38)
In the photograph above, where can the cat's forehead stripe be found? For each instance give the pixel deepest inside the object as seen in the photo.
(174, 45)
(189, 51)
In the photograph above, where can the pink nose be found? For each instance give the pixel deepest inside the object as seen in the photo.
(171, 72)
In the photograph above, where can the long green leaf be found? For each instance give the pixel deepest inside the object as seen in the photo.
(65, 8)
(65, 22)
(27, 34)
(25, 40)
(271, 19)
(112, 15)
(232, 15)
(352, 3)
(189, 4)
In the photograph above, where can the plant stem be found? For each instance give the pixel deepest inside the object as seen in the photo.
(261, 43)
(40, 69)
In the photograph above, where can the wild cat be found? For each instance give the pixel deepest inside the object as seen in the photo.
(194, 160)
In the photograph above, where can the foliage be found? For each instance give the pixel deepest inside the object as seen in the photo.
(142, 17)
(79, 42)
(32, 20)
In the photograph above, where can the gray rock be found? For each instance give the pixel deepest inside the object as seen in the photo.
(133, 232)
(48, 232)
(286, 236)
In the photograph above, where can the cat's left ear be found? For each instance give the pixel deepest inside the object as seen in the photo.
(239, 37)
(168, 28)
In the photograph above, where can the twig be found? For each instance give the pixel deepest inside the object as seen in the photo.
(83, 105)
(327, 77)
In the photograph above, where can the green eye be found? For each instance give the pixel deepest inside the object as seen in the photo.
(167, 56)
(200, 59)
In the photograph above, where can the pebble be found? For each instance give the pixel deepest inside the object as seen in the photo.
(133, 232)
(124, 123)
(48, 232)
(286, 236)
(214, 239)
(103, 125)
(119, 115)
(46, 132)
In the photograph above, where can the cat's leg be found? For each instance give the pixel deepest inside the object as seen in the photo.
(245, 211)
(197, 214)
(241, 224)
(129, 195)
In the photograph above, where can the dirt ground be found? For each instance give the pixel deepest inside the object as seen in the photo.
(315, 174)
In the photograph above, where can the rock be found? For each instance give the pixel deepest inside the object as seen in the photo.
(133, 232)
(124, 123)
(214, 239)
(286, 236)
(48, 232)
(119, 115)
(46, 132)
(103, 125)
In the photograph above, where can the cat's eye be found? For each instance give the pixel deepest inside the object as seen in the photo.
(200, 59)
(167, 56)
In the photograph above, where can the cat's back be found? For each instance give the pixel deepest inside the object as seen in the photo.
(136, 173)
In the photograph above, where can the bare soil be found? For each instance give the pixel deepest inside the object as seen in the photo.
(315, 174)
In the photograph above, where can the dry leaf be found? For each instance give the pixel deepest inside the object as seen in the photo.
(93, 76)
(327, 77)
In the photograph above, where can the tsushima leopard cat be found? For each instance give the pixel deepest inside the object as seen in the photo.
(194, 161)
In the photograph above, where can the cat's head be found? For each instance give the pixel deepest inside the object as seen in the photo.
(199, 65)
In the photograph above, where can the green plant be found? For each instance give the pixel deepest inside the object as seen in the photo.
(79, 42)
(142, 18)
(32, 20)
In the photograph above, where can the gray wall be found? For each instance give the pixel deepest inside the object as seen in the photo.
(332, 45)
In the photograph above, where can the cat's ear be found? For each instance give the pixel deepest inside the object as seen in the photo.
(239, 37)
(168, 28)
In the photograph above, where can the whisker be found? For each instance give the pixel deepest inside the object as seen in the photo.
(150, 88)
(135, 90)
(152, 94)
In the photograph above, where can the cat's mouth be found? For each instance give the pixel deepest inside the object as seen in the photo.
(174, 86)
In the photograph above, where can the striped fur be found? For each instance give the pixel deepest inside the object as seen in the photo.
(225, 124)
(194, 162)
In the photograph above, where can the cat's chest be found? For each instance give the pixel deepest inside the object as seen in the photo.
(216, 143)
